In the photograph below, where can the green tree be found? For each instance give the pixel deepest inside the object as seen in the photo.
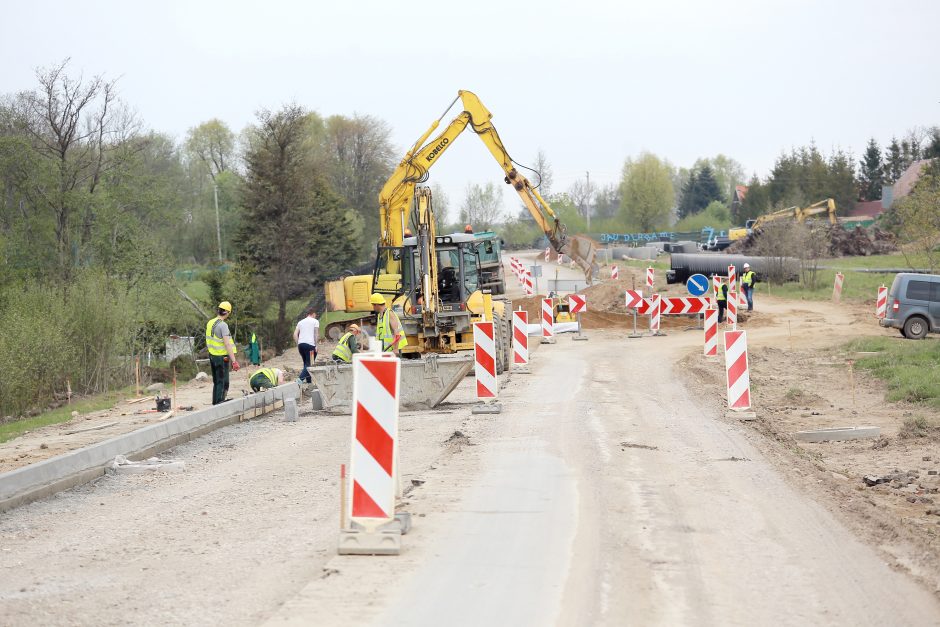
(647, 197)
(727, 171)
(212, 144)
(296, 230)
(700, 190)
(871, 173)
(482, 206)
(918, 218)
(893, 161)
(756, 202)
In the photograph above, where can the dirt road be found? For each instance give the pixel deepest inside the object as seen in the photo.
(611, 490)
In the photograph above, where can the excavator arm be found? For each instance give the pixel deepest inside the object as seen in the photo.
(823, 206)
(396, 196)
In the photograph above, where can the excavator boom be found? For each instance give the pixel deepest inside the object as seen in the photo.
(396, 196)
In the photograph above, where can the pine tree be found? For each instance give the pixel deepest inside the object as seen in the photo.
(707, 188)
(296, 231)
(894, 161)
(871, 175)
(687, 202)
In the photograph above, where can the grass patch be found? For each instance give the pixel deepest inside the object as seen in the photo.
(10, 430)
(908, 368)
(919, 427)
(856, 286)
(197, 290)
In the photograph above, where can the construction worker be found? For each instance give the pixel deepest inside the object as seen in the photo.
(254, 350)
(722, 299)
(748, 279)
(266, 378)
(221, 351)
(348, 345)
(468, 229)
(388, 328)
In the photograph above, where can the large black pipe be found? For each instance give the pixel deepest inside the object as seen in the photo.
(685, 265)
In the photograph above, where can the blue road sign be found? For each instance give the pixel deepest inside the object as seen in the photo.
(697, 284)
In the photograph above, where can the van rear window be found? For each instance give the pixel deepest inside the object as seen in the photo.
(918, 290)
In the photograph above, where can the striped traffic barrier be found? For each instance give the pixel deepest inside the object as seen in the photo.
(548, 252)
(650, 278)
(373, 467)
(711, 332)
(716, 286)
(484, 371)
(520, 341)
(614, 273)
(732, 279)
(732, 310)
(548, 321)
(738, 376)
(742, 299)
(655, 310)
(837, 287)
(560, 260)
(576, 304)
(528, 284)
(881, 303)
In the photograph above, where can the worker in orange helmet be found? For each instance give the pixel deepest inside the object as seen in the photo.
(468, 229)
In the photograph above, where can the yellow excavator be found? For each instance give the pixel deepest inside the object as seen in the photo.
(433, 281)
(800, 214)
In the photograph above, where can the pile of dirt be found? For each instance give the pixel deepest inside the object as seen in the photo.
(841, 242)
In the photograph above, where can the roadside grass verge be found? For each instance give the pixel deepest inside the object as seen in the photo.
(10, 430)
(856, 286)
(908, 368)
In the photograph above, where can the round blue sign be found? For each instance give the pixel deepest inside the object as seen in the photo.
(697, 284)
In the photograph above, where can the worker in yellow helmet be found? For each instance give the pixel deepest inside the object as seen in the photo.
(348, 345)
(221, 351)
(388, 328)
(266, 378)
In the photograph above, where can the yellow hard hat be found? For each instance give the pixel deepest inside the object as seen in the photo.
(377, 299)
(227, 306)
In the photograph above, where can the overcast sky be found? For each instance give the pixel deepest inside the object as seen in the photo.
(589, 82)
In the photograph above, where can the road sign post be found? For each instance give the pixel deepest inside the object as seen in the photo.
(576, 304)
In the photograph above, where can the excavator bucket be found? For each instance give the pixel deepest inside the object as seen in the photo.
(583, 251)
(425, 382)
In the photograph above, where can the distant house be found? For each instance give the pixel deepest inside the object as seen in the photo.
(903, 186)
(865, 209)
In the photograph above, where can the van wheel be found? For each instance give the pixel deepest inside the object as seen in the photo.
(915, 328)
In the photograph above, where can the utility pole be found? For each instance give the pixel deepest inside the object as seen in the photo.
(587, 201)
(218, 223)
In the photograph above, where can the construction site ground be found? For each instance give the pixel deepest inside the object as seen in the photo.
(614, 488)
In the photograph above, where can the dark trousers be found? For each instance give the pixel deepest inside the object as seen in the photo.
(219, 365)
(722, 305)
(749, 296)
(308, 352)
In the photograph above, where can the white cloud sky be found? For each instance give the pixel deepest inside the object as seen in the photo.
(589, 82)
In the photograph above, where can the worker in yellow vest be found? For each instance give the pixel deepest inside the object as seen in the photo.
(221, 351)
(388, 328)
(748, 279)
(348, 345)
(722, 301)
(266, 378)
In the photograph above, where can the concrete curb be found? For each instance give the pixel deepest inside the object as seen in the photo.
(68, 470)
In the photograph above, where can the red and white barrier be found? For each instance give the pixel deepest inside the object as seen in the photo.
(654, 312)
(484, 349)
(614, 273)
(738, 375)
(634, 300)
(577, 303)
(548, 252)
(650, 278)
(560, 260)
(548, 321)
(711, 332)
(732, 278)
(881, 303)
(837, 287)
(742, 299)
(520, 338)
(528, 284)
(684, 305)
(716, 286)
(374, 460)
(733, 310)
